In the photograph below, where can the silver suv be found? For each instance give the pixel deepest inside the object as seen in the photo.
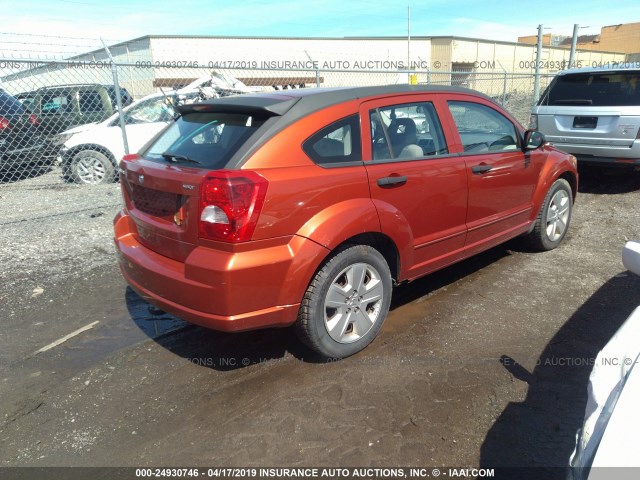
(593, 113)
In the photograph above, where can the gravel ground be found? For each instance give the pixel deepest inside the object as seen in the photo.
(463, 372)
(52, 230)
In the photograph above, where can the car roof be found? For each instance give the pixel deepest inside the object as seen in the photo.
(285, 107)
(309, 100)
(71, 87)
(608, 68)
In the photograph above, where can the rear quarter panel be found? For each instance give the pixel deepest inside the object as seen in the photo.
(325, 204)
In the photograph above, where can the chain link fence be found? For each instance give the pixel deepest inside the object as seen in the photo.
(61, 134)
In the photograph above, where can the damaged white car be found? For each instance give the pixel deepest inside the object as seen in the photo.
(611, 416)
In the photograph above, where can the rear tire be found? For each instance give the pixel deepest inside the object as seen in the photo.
(90, 167)
(346, 303)
(554, 217)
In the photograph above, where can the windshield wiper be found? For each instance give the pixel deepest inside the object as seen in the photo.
(175, 158)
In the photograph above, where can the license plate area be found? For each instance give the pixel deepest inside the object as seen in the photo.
(585, 122)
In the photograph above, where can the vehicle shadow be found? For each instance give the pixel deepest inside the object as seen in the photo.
(539, 433)
(230, 351)
(13, 175)
(608, 180)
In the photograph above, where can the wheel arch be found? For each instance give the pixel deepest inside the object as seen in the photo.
(69, 154)
(382, 243)
(573, 182)
(550, 173)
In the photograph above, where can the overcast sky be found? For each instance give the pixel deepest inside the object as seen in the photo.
(65, 27)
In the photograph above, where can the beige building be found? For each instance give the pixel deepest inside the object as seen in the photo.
(496, 68)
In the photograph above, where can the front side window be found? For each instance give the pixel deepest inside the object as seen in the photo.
(337, 143)
(206, 139)
(483, 129)
(406, 131)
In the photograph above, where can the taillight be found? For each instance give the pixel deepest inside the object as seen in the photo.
(533, 121)
(131, 157)
(4, 123)
(230, 204)
(33, 119)
(638, 135)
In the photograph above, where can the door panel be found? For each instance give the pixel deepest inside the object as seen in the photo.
(415, 183)
(501, 177)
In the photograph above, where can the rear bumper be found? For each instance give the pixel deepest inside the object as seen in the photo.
(604, 154)
(223, 290)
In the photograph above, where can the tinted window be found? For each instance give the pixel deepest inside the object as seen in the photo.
(90, 102)
(483, 129)
(54, 103)
(610, 89)
(337, 143)
(125, 97)
(203, 139)
(409, 130)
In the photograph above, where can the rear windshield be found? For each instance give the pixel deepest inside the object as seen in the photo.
(206, 140)
(605, 89)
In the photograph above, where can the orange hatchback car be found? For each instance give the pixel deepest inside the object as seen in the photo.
(305, 207)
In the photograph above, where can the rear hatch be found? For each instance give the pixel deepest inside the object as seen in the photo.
(191, 159)
(592, 109)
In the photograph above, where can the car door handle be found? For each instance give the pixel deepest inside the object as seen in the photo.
(391, 181)
(480, 169)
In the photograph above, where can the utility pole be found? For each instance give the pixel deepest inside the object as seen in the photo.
(536, 82)
(574, 43)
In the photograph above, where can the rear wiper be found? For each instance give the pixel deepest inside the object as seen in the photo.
(175, 158)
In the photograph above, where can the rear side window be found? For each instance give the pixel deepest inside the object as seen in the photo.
(90, 102)
(204, 139)
(604, 89)
(56, 103)
(337, 143)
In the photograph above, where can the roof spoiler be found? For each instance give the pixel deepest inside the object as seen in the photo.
(271, 106)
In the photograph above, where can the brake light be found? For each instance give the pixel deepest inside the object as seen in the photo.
(638, 135)
(33, 119)
(230, 204)
(533, 121)
(4, 123)
(131, 157)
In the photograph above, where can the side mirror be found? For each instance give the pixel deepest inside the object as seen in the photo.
(533, 140)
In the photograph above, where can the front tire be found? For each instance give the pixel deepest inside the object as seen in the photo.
(346, 303)
(90, 167)
(554, 217)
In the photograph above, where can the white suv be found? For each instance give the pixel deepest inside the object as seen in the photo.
(593, 113)
(91, 152)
